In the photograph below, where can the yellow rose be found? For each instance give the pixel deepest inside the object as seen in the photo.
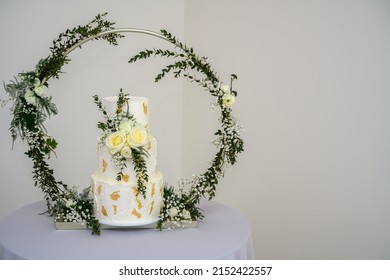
(116, 141)
(228, 100)
(138, 137)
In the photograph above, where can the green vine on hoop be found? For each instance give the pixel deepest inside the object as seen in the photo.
(31, 107)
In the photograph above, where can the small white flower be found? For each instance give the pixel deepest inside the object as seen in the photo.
(126, 152)
(228, 100)
(30, 97)
(225, 89)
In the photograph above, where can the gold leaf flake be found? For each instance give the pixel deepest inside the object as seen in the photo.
(115, 209)
(99, 189)
(145, 105)
(126, 177)
(115, 195)
(151, 207)
(136, 213)
(139, 203)
(153, 189)
(135, 190)
(104, 211)
(104, 167)
(120, 109)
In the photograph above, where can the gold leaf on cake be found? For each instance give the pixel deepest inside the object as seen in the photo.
(135, 190)
(120, 109)
(145, 105)
(126, 177)
(104, 166)
(139, 202)
(115, 195)
(149, 146)
(99, 189)
(151, 207)
(104, 211)
(136, 213)
(153, 189)
(115, 209)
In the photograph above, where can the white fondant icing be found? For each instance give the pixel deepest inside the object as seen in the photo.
(116, 202)
(138, 107)
(119, 204)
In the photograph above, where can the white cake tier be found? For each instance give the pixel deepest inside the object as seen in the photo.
(138, 107)
(119, 204)
(107, 168)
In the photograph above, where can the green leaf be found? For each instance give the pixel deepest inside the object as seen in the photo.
(52, 143)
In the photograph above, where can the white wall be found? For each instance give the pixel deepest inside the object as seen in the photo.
(313, 97)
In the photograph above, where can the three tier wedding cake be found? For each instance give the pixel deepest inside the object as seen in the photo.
(119, 200)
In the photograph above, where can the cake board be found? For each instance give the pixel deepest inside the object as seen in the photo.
(75, 226)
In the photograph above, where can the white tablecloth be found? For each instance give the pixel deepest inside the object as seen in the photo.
(223, 234)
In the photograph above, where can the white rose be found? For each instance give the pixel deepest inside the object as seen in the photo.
(186, 215)
(225, 89)
(39, 91)
(138, 137)
(125, 127)
(116, 141)
(37, 82)
(228, 100)
(126, 152)
(69, 203)
(173, 212)
(30, 97)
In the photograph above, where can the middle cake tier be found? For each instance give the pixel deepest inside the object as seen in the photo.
(108, 169)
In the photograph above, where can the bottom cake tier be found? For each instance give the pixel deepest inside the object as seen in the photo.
(120, 204)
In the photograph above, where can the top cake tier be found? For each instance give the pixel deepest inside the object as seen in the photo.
(137, 106)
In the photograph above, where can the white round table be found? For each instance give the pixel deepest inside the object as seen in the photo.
(223, 234)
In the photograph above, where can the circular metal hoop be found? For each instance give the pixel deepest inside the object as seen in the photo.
(118, 30)
(31, 109)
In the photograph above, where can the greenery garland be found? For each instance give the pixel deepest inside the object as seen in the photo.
(31, 107)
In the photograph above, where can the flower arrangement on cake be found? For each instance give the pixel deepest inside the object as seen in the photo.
(125, 141)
